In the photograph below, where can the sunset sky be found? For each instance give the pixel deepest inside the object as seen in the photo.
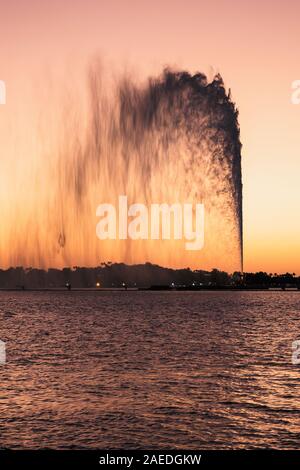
(255, 48)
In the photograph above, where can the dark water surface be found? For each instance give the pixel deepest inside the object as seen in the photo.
(209, 370)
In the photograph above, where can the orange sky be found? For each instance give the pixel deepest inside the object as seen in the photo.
(252, 44)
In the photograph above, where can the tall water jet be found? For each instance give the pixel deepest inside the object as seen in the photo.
(174, 138)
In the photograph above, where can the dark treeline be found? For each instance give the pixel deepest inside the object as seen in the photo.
(141, 275)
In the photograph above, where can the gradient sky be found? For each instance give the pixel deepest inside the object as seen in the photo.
(254, 45)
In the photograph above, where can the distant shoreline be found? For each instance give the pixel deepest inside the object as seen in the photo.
(147, 276)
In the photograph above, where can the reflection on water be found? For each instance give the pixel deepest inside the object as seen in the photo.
(208, 370)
